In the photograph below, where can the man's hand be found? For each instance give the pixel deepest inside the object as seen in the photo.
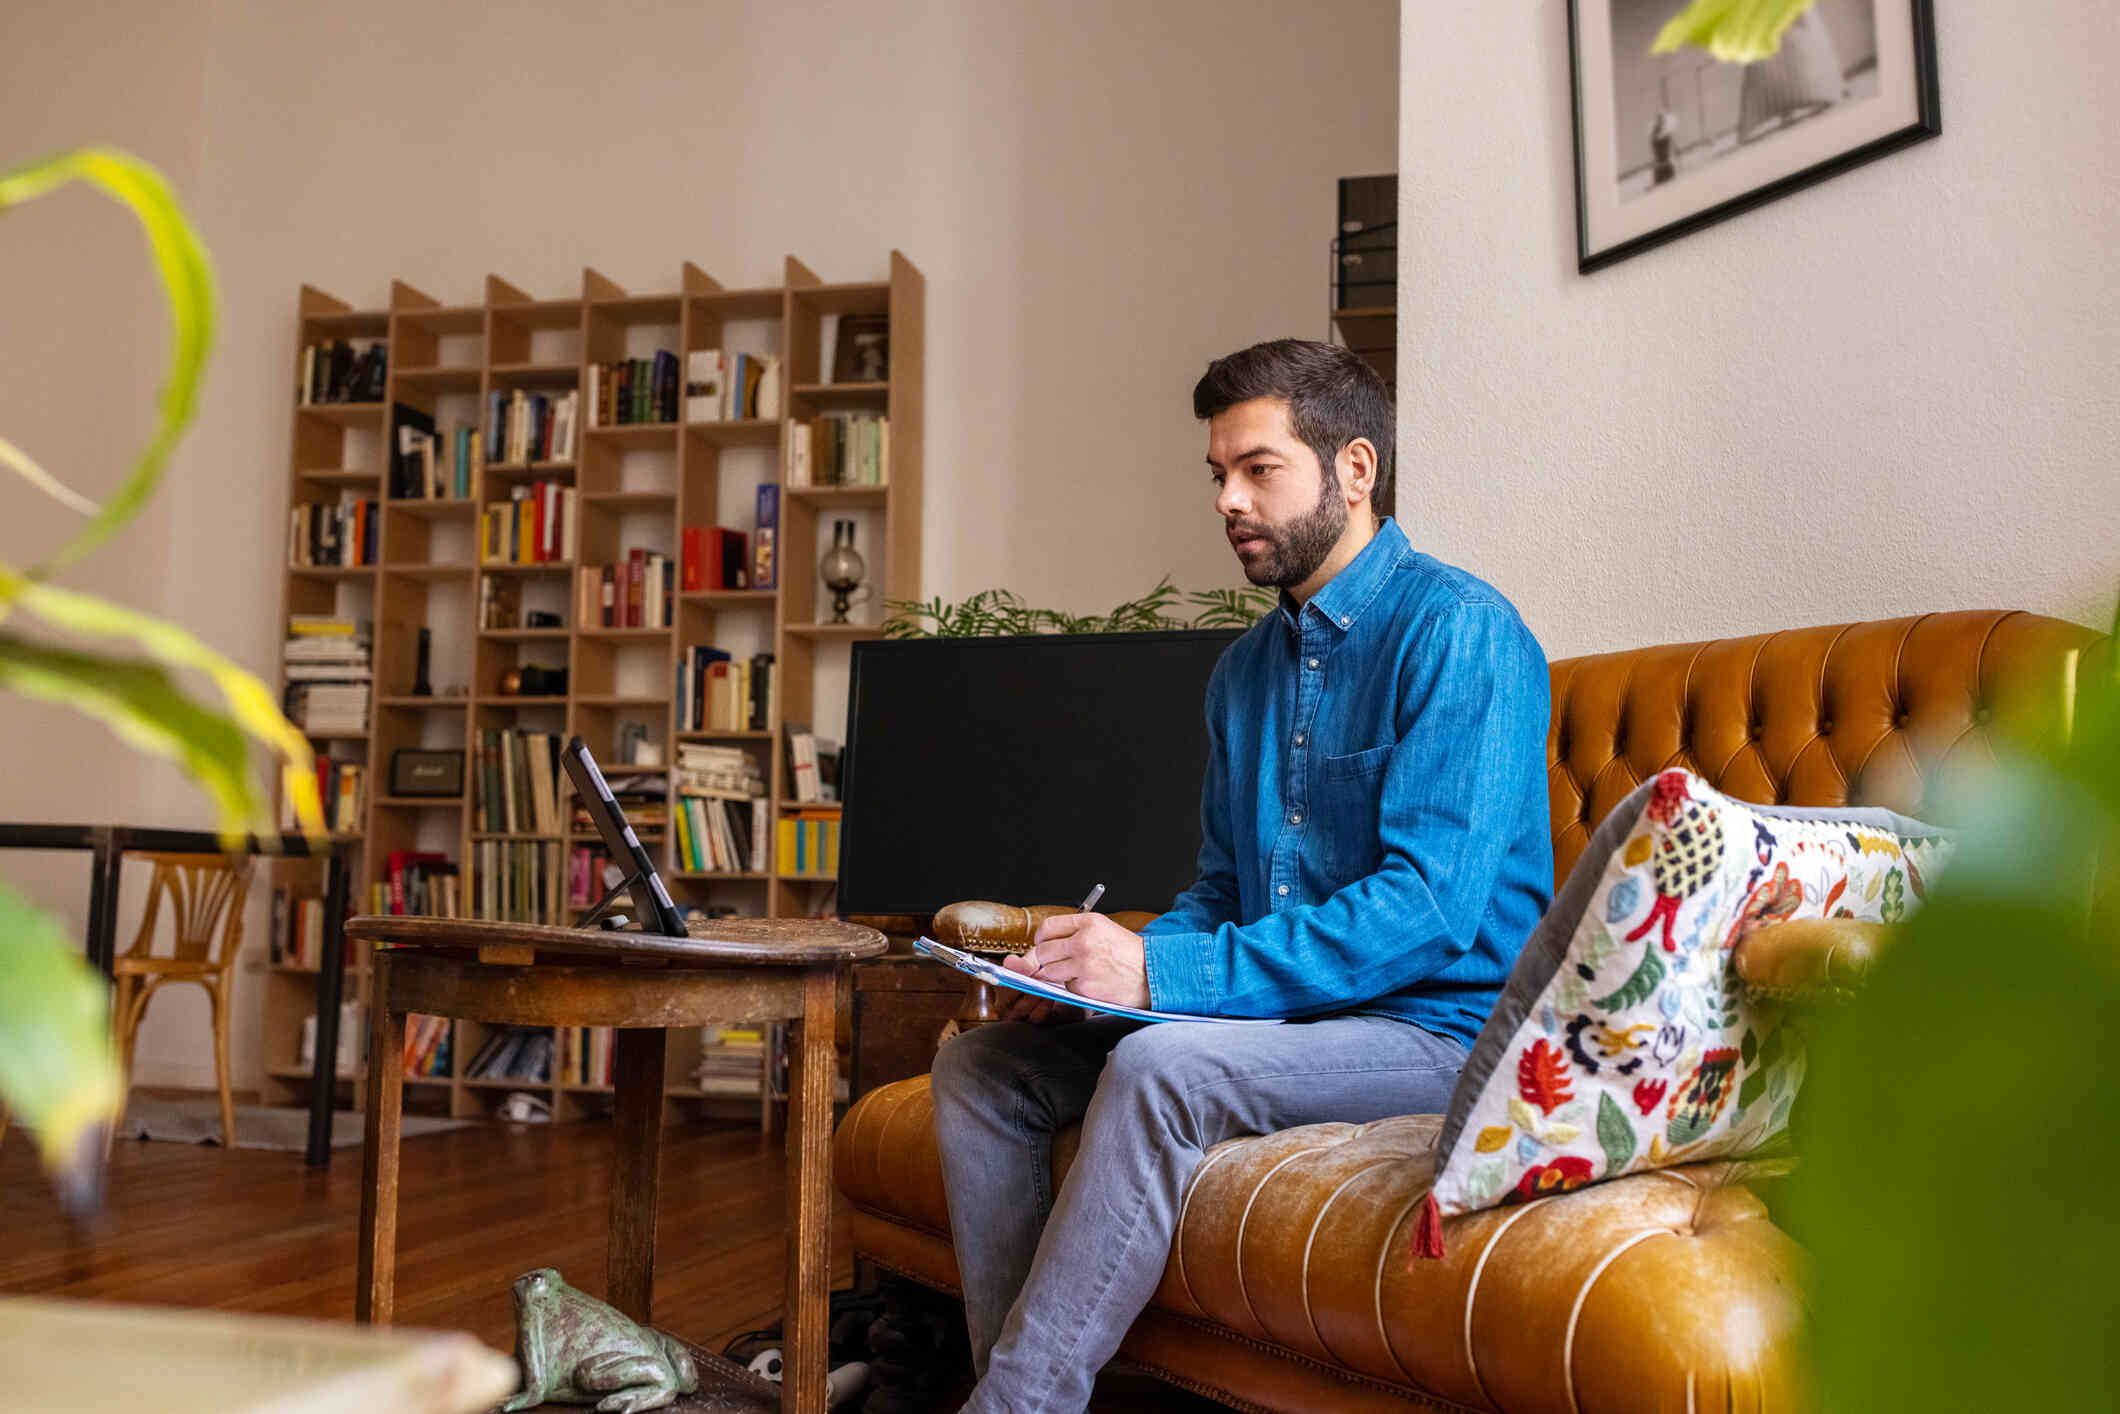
(1090, 955)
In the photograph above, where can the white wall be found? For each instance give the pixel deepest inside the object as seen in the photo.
(1896, 392)
(1103, 195)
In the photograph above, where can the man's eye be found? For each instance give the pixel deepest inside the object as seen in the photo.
(1216, 477)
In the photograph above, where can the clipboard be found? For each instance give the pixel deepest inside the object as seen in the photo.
(1000, 976)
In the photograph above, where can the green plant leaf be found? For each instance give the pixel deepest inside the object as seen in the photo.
(1615, 1134)
(181, 261)
(1734, 31)
(249, 699)
(58, 1072)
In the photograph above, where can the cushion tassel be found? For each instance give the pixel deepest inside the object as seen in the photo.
(1428, 1233)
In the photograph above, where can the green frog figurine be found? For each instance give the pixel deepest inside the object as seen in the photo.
(575, 1349)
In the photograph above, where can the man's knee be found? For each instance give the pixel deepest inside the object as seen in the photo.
(1157, 1069)
(983, 1060)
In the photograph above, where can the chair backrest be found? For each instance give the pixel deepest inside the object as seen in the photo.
(1871, 713)
(203, 890)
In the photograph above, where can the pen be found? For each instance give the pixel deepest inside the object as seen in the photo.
(1090, 901)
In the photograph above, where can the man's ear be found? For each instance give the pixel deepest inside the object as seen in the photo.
(1357, 467)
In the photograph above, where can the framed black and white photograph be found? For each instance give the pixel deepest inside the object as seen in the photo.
(1668, 143)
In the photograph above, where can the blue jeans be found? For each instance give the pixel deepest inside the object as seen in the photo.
(1053, 1280)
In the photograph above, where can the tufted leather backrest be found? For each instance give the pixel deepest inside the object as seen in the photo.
(1846, 714)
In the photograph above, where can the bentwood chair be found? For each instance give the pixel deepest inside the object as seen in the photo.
(206, 894)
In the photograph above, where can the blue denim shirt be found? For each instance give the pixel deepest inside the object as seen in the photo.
(1374, 821)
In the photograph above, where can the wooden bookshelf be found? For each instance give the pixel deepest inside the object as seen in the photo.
(636, 485)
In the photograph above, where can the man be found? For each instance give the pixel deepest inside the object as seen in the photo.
(1374, 851)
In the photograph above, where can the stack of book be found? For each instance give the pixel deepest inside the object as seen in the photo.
(643, 795)
(512, 880)
(731, 387)
(516, 790)
(332, 537)
(335, 372)
(419, 883)
(520, 1053)
(722, 833)
(297, 938)
(633, 391)
(717, 770)
(638, 592)
(427, 1045)
(731, 1060)
(538, 524)
(328, 674)
(841, 449)
(585, 1056)
(813, 766)
(716, 693)
(809, 843)
(524, 427)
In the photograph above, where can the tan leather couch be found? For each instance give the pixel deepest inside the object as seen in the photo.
(1289, 1286)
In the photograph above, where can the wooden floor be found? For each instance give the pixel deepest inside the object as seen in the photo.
(256, 1230)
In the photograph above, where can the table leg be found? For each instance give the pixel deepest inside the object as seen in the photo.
(331, 990)
(637, 1085)
(374, 1294)
(806, 1308)
(105, 858)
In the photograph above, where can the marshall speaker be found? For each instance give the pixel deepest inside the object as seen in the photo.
(415, 772)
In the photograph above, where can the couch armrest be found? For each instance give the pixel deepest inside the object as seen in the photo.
(1809, 959)
(979, 926)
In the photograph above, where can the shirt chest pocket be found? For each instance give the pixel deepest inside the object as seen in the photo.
(1348, 802)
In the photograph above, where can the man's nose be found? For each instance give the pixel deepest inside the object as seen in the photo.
(1232, 500)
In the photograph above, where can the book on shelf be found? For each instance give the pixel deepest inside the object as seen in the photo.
(421, 883)
(512, 879)
(731, 1060)
(525, 428)
(639, 591)
(840, 449)
(714, 557)
(634, 391)
(731, 387)
(333, 536)
(716, 693)
(521, 1053)
(706, 769)
(585, 1055)
(500, 602)
(428, 1044)
(720, 835)
(353, 1041)
(809, 843)
(765, 538)
(335, 371)
(297, 938)
(515, 789)
(539, 523)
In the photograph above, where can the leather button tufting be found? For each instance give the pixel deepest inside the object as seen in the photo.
(1901, 720)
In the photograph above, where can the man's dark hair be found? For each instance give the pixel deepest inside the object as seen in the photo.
(1333, 397)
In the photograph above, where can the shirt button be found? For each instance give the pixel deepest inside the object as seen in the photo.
(1283, 890)
(1313, 662)
(1295, 817)
(1346, 619)
(1299, 738)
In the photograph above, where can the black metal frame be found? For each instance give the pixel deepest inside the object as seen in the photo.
(1928, 123)
(107, 846)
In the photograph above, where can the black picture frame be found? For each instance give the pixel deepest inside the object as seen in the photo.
(1928, 123)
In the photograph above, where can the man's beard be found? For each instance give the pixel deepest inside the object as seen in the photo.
(1293, 551)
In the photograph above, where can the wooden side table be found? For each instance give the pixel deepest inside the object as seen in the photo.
(640, 984)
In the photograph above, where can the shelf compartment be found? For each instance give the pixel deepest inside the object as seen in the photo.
(339, 475)
(439, 380)
(497, 700)
(840, 495)
(330, 571)
(638, 309)
(434, 507)
(525, 635)
(433, 574)
(764, 302)
(536, 567)
(533, 471)
(540, 375)
(841, 395)
(617, 701)
(863, 297)
(734, 432)
(834, 632)
(542, 314)
(348, 323)
(451, 319)
(631, 500)
(638, 436)
(343, 414)
(627, 635)
(424, 704)
(730, 598)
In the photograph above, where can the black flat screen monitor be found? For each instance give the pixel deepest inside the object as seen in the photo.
(657, 913)
(1024, 770)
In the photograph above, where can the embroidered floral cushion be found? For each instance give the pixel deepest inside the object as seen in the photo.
(1624, 1040)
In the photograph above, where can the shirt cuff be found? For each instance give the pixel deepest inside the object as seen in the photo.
(1180, 977)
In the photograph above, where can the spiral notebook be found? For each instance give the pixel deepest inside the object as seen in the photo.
(1000, 976)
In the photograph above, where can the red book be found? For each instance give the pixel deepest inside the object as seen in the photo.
(636, 574)
(397, 879)
(695, 555)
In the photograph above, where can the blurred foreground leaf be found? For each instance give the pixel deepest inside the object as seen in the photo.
(1734, 31)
